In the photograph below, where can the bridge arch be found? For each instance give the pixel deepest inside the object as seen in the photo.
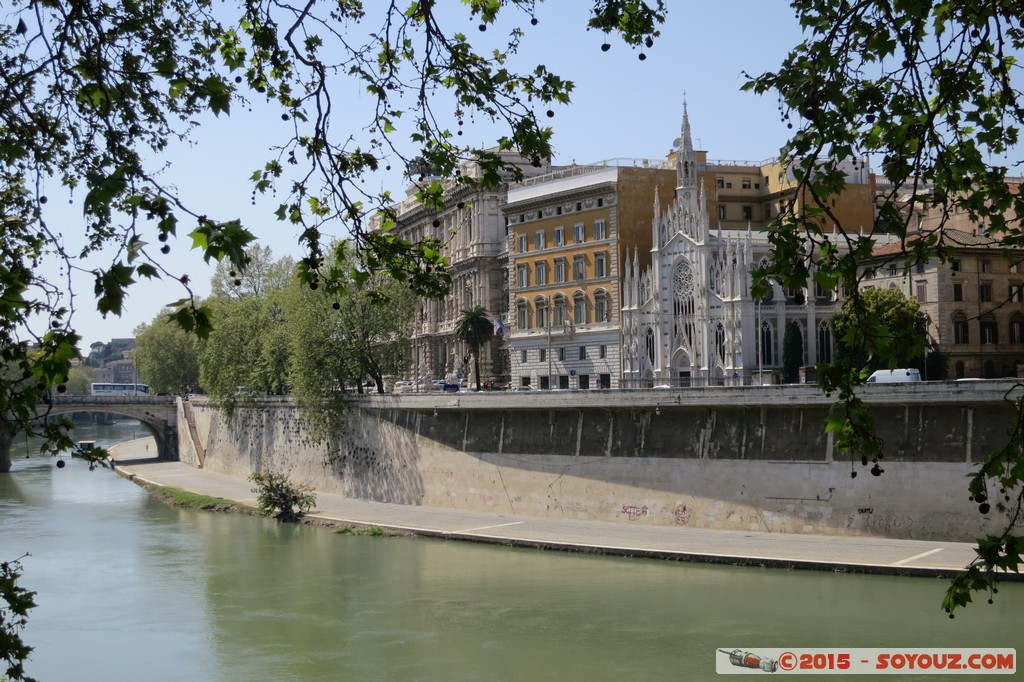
(158, 414)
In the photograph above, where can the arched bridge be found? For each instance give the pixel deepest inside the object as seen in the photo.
(159, 414)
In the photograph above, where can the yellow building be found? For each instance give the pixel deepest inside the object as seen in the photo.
(567, 234)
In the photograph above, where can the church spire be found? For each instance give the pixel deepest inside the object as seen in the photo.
(685, 156)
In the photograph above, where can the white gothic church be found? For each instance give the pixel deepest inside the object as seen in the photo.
(689, 319)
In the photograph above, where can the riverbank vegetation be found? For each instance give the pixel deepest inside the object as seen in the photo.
(280, 497)
(176, 497)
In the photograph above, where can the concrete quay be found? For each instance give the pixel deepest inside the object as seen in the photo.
(855, 554)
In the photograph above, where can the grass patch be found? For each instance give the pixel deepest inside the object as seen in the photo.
(368, 531)
(176, 497)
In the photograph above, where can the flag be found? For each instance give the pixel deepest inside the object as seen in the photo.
(499, 329)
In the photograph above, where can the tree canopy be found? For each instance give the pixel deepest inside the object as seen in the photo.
(473, 327)
(94, 95)
(931, 90)
(891, 319)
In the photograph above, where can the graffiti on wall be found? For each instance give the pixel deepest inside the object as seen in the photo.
(634, 512)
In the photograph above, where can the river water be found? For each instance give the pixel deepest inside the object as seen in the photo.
(131, 589)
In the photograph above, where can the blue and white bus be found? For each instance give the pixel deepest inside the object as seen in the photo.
(120, 389)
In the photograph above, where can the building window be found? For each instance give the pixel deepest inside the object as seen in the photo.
(522, 243)
(540, 268)
(601, 265)
(584, 382)
(920, 267)
(542, 313)
(1017, 293)
(538, 240)
(579, 268)
(955, 266)
(958, 292)
(745, 183)
(721, 183)
(720, 341)
(600, 307)
(522, 276)
(579, 308)
(922, 292)
(824, 342)
(989, 332)
(986, 266)
(559, 236)
(1014, 268)
(721, 211)
(767, 345)
(650, 345)
(560, 270)
(522, 356)
(560, 317)
(579, 233)
(748, 212)
(602, 351)
(1017, 329)
(599, 232)
(985, 292)
(893, 271)
(539, 215)
(543, 354)
(561, 354)
(579, 205)
(583, 352)
(600, 202)
(960, 333)
(522, 319)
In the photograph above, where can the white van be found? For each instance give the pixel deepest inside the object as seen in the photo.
(894, 376)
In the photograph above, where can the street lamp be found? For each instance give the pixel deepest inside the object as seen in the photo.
(547, 312)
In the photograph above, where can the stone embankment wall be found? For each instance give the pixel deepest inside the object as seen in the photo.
(754, 458)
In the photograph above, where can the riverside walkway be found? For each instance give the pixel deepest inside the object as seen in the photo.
(751, 548)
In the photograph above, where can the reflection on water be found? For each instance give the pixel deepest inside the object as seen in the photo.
(132, 589)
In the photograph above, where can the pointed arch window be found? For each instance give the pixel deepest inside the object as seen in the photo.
(720, 341)
(650, 345)
(766, 347)
(824, 342)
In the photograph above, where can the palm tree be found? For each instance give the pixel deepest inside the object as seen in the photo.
(474, 328)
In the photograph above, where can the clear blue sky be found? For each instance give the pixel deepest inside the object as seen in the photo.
(622, 107)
